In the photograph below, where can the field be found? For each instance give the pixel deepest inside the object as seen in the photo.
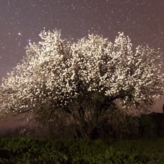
(80, 151)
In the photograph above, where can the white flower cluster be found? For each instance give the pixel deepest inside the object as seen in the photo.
(56, 71)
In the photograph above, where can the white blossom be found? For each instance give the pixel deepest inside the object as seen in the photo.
(52, 69)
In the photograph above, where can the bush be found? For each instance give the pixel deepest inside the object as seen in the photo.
(147, 126)
(124, 125)
(64, 151)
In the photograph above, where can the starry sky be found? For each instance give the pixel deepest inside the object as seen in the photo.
(21, 21)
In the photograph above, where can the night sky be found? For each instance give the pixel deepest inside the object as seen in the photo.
(21, 21)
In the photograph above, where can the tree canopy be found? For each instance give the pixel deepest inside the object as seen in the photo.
(83, 78)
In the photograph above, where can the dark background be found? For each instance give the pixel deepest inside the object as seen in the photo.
(21, 21)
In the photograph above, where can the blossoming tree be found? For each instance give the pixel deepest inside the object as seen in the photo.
(82, 80)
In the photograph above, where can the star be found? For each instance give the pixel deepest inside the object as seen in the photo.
(29, 40)
(19, 33)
